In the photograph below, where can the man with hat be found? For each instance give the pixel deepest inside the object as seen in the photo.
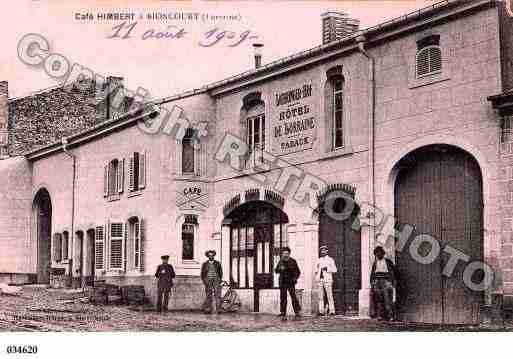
(383, 282)
(289, 273)
(165, 274)
(324, 275)
(212, 275)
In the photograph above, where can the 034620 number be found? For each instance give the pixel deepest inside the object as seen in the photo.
(21, 349)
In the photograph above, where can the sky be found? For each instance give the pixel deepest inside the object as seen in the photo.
(167, 66)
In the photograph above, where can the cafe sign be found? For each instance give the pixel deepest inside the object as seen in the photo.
(292, 120)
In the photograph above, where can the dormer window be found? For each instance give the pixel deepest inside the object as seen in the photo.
(429, 56)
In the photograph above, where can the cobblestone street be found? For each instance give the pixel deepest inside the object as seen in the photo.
(39, 309)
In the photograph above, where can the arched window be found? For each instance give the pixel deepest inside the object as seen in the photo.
(255, 138)
(253, 127)
(334, 93)
(188, 237)
(188, 155)
(113, 177)
(429, 56)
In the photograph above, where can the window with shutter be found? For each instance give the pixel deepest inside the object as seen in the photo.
(141, 170)
(113, 177)
(131, 172)
(99, 248)
(116, 246)
(142, 236)
(106, 181)
(121, 175)
(135, 242)
(429, 61)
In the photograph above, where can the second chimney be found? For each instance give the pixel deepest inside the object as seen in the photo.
(337, 25)
(257, 49)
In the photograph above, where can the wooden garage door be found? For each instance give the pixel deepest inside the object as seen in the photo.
(439, 192)
(344, 246)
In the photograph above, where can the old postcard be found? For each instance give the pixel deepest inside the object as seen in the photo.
(255, 166)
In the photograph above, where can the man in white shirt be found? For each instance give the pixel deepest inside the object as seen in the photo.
(324, 274)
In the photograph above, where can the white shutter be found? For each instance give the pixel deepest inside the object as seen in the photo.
(121, 175)
(131, 178)
(125, 258)
(142, 170)
(116, 247)
(142, 236)
(106, 181)
(137, 244)
(99, 248)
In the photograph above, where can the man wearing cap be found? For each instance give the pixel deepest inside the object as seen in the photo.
(165, 274)
(212, 275)
(289, 273)
(324, 275)
(383, 282)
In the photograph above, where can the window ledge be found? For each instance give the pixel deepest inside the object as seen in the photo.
(139, 192)
(337, 153)
(113, 197)
(429, 79)
(189, 264)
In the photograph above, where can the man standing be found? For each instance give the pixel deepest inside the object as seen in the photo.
(324, 275)
(289, 273)
(165, 274)
(383, 282)
(212, 275)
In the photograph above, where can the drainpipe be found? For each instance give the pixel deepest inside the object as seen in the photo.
(361, 40)
(73, 158)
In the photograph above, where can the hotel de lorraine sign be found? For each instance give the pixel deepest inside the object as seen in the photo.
(293, 125)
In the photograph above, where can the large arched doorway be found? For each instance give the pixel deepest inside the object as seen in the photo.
(337, 212)
(42, 208)
(257, 234)
(439, 192)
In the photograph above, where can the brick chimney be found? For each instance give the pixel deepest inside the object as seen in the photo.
(105, 94)
(337, 25)
(4, 118)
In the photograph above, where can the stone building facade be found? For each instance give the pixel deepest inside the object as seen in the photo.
(394, 119)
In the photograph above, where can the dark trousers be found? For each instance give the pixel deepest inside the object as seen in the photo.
(382, 296)
(162, 298)
(283, 299)
(213, 295)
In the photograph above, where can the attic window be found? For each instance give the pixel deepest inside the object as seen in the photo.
(429, 56)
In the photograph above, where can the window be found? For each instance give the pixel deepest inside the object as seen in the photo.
(135, 240)
(429, 56)
(256, 137)
(187, 241)
(137, 171)
(188, 234)
(116, 246)
(57, 242)
(188, 151)
(99, 248)
(338, 112)
(65, 245)
(113, 178)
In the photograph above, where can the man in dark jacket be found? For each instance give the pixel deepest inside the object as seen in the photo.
(289, 273)
(212, 275)
(383, 282)
(165, 274)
